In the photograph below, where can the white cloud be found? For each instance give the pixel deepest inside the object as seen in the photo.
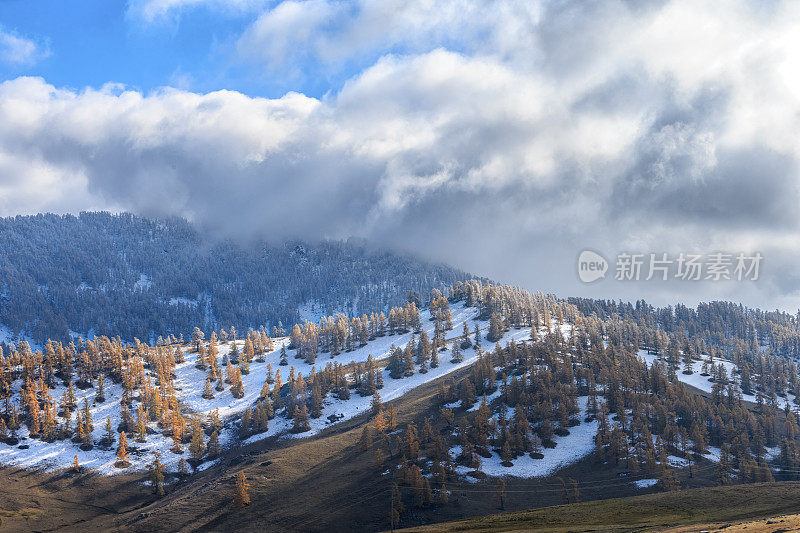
(333, 32)
(285, 32)
(151, 11)
(502, 129)
(19, 51)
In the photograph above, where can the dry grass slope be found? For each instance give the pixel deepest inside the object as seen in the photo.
(653, 512)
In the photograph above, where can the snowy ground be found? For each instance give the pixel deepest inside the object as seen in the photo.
(7, 336)
(189, 384)
(191, 380)
(393, 388)
(489, 399)
(60, 454)
(704, 384)
(569, 449)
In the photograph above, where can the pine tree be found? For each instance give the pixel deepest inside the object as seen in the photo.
(765, 474)
(245, 422)
(377, 404)
(68, 402)
(505, 454)
(423, 350)
(495, 327)
(213, 444)
(237, 386)
(414, 478)
(669, 480)
(156, 473)
(122, 452)
(284, 357)
(265, 390)
(249, 351)
(408, 359)
(378, 459)
(196, 447)
(427, 495)
(316, 399)
(456, 356)
(208, 393)
(109, 435)
(301, 424)
(126, 423)
(241, 498)
(197, 338)
(397, 505)
(87, 416)
(85, 432)
(500, 494)
(365, 442)
(442, 495)
(100, 396)
(465, 340)
(141, 424)
(76, 467)
(434, 357)
(724, 469)
(467, 395)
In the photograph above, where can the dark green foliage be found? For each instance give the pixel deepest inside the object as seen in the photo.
(136, 277)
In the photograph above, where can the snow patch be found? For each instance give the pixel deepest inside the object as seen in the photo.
(569, 449)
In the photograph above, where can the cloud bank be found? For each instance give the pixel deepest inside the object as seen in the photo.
(504, 137)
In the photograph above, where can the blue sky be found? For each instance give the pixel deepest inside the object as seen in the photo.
(94, 42)
(462, 130)
(198, 45)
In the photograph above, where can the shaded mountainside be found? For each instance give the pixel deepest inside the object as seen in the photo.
(713, 507)
(136, 277)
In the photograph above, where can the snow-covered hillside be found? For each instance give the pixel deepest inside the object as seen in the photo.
(705, 383)
(31, 452)
(189, 384)
(568, 449)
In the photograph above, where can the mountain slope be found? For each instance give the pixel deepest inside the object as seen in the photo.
(189, 390)
(127, 276)
(652, 512)
(508, 394)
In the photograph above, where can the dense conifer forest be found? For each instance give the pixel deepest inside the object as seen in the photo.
(133, 277)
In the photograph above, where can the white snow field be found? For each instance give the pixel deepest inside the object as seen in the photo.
(569, 449)
(60, 454)
(704, 384)
(189, 384)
